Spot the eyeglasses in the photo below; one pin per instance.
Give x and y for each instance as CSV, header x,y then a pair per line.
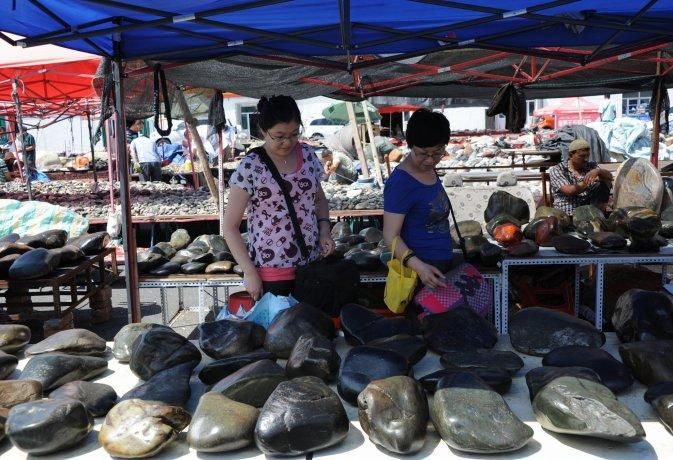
x,y
281,139
435,155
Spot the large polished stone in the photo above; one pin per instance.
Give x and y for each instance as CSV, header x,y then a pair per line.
x,y
169,268
497,379
36,263
158,349
13,337
47,426
7,364
361,325
582,407
70,342
412,347
123,340
537,331
221,424
98,398
13,392
302,415
253,383
220,266
294,322
48,239
169,386
487,359
6,263
54,370
638,183
148,261
68,255
651,362
658,389
91,243
180,239
393,412
136,428
230,337
363,364
217,370
471,418
458,329
663,406
313,355
193,267
643,315
614,375
538,377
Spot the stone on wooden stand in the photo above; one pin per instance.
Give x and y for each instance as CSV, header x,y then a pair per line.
x,y
18,303
101,305
54,325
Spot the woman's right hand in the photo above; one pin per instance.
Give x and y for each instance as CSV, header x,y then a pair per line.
x,y
253,284
429,275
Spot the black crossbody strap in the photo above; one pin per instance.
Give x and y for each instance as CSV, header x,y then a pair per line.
x,y
288,200
461,240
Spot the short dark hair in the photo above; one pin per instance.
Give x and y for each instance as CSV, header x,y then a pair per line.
x,y
277,109
427,129
130,122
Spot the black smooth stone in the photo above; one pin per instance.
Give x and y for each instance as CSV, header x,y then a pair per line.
x,y
48,239
568,244
302,415
458,329
294,322
537,331
7,249
91,243
6,263
614,375
205,258
663,406
158,349
193,267
467,380
488,359
538,377
313,355
363,364
166,249
98,398
148,261
411,347
189,253
199,246
658,389
7,364
36,263
223,255
227,338
651,362
180,260
498,379
360,325
170,386
643,315
54,370
47,426
217,370
253,383
490,254
68,255
169,268
123,340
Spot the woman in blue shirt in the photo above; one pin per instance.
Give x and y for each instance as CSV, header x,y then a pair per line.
x,y
416,207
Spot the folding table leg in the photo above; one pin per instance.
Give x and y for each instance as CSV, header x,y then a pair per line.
x,y
577,289
164,313
600,272
202,302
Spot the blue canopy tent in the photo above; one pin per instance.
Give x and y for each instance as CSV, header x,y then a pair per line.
x,y
342,35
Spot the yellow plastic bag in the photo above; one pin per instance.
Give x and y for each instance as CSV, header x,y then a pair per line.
x,y
400,283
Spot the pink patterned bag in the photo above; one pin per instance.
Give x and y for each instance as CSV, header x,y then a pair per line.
x,y
465,287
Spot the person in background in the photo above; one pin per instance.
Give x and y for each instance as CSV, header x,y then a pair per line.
x,y
343,141
416,207
4,139
5,175
145,157
133,128
339,167
270,259
578,181
607,110
27,146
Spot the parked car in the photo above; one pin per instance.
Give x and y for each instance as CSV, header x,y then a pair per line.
x,y
321,128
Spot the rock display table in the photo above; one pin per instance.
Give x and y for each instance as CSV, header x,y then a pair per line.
x,y
544,445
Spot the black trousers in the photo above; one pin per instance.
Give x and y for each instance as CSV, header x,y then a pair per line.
x,y
283,288
150,171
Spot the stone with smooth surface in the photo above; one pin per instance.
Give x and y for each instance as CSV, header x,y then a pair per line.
x,y
498,379
658,389
136,428
7,364
166,269
13,337
537,330
169,386
538,377
230,337
313,355
488,359
217,370
458,329
643,315
193,267
91,243
582,407
13,392
294,322
253,383
158,349
49,239
651,362
361,325
36,263
393,412
54,370
221,424
302,415
180,239
663,406
123,340
98,398
70,342
6,263
222,266
637,183
411,347
48,426
614,375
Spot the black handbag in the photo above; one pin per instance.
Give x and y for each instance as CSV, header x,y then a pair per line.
x,y
328,283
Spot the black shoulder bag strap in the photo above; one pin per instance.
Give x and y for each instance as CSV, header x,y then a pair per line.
x,y
461,240
288,200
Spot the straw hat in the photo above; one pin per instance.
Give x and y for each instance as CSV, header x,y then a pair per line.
x,y
578,144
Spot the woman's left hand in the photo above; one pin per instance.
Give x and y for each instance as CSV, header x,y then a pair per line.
x,y
327,244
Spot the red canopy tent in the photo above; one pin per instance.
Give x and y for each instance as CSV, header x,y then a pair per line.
x,y
571,111
398,108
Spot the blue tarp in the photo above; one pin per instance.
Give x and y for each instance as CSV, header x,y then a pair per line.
x,y
197,29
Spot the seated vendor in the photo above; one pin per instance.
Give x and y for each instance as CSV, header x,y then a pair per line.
x,y
578,181
338,167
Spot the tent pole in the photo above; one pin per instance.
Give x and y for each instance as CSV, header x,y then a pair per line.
x,y
93,157
220,179
110,173
356,139
128,235
19,127
372,145
656,123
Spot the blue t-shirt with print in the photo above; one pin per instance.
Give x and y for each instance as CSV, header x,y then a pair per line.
x,y
426,208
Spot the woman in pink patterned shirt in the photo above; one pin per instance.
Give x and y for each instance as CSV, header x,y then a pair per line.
x,y
272,255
